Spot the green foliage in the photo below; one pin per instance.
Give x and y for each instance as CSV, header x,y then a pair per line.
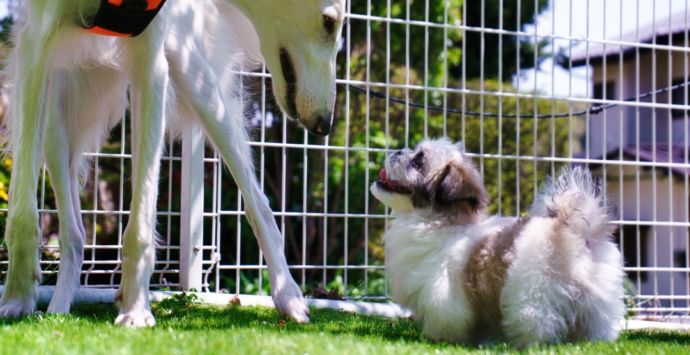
x,y
5,171
375,286
630,294
507,51
388,49
178,301
5,164
249,284
435,51
6,30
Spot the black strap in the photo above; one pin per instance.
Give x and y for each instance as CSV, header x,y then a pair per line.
x,y
130,19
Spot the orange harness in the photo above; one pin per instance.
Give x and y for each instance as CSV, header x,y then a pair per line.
x,y
124,18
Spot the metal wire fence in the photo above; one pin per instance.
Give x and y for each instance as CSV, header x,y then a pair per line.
x,y
529,86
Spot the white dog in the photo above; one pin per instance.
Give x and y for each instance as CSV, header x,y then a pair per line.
x,y
74,84
550,277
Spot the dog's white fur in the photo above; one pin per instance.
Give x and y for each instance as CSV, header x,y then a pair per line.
x,y
551,277
179,72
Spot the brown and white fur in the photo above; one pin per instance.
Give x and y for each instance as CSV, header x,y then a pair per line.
x,y
550,277
68,87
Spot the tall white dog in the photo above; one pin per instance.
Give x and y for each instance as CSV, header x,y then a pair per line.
x,y
550,277
74,85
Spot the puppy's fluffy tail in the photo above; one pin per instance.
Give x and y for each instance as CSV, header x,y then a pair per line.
x,y
577,201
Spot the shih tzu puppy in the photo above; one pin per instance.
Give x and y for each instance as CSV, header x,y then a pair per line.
x,y
553,276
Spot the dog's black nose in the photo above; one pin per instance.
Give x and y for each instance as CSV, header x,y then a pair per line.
x,y
323,125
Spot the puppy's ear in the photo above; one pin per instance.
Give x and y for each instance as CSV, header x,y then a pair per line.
x,y
460,186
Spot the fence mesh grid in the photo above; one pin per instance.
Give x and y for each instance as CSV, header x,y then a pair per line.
x,y
514,80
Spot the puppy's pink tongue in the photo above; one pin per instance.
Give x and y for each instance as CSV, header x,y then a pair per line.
x,y
382,175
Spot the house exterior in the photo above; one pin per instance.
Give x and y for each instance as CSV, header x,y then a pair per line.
x,y
647,141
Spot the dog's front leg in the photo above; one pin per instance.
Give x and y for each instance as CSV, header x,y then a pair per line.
x,y
222,120
28,98
61,168
149,78
286,294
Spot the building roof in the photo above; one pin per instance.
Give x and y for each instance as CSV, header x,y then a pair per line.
x,y
676,23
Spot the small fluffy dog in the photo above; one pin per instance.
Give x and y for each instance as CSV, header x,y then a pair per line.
x,y
550,277
69,86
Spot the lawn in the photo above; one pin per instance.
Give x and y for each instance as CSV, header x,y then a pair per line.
x,y
185,328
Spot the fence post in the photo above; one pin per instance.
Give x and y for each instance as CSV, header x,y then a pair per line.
x,y
192,210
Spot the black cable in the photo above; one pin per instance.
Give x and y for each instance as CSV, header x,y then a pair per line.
x,y
591,110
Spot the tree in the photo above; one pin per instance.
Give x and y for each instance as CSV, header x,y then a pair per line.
x,y
509,15
488,14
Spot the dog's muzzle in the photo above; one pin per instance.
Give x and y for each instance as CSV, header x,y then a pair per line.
x,y
323,124
124,18
290,78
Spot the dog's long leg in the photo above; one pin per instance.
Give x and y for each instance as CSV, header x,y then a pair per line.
x,y
71,238
223,123
90,99
28,99
149,78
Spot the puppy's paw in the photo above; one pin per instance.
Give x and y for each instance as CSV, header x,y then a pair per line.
x,y
17,307
289,301
136,319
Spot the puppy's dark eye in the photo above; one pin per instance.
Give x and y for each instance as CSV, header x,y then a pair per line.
x,y
417,162
329,24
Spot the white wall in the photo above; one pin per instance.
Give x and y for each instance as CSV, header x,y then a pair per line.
x,y
661,199
617,126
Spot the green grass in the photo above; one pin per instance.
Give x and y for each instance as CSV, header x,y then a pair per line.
x,y
185,328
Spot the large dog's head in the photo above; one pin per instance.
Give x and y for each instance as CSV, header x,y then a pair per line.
x,y
436,177
299,42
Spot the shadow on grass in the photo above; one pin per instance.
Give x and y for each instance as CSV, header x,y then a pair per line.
x,y
337,323
184,316
329,321
94,313
195,317
658,336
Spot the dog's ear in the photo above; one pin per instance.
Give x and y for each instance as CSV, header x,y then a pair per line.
x,y
460,186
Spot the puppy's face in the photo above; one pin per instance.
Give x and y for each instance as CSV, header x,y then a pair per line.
x,y
436,176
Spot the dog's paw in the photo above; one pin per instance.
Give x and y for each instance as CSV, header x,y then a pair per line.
x,y
136,319
15,307
59,305
289,301
62,299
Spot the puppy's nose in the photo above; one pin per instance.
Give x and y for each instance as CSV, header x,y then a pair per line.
x,y
323,124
